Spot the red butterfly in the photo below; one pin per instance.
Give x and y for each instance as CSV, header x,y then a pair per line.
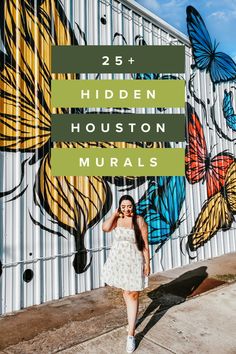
x,y
199,165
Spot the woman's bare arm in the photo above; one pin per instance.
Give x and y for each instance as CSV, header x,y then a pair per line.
x,y
144,232
110,223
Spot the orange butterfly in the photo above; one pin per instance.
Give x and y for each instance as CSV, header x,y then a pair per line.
x,y
200,166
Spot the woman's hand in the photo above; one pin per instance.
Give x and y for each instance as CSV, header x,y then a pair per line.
x,y
116,213
146,270
110,223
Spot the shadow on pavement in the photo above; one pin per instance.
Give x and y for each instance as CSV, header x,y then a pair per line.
x,y
168,295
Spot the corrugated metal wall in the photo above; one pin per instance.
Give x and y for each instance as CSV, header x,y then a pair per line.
x,y
37,264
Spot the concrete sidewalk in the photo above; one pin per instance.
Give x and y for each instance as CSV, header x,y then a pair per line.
x,y
90,322
206,324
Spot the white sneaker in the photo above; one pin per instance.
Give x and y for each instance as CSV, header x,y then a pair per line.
x,y
130,347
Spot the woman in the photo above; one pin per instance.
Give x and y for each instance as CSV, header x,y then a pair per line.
x,y
127,266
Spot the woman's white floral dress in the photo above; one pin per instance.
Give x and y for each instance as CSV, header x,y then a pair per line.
x,y
124,266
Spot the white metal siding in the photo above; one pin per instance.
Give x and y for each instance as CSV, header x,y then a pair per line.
x,y
25,246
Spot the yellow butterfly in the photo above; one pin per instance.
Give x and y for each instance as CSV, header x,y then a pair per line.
x,y
217,212
28,32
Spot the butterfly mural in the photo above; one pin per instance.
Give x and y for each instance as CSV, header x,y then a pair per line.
x,y
153,76
145,76
25,113
200,165
228,110
161,205
74,203
217,212
219,65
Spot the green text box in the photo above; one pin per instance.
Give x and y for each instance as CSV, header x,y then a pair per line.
x,y
69,162
133,59
118,127
168,93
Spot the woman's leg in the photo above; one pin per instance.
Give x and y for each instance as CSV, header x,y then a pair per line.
x,y
132,304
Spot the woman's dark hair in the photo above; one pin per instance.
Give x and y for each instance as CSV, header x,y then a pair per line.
x,y
138,235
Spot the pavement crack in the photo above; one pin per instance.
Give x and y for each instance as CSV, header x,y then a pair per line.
x,y
158,344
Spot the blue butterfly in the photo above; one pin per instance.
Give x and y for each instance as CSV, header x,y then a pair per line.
x,y
153,76
228,110
161,205
219,65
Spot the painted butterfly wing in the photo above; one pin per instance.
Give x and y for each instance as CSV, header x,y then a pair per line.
x,y
161,207
230,187
228,110
214,215
217,212
216,174
227,104
198,163
147,201
200,39
170,204
145,76
153,76
196,151
221,67
147,207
